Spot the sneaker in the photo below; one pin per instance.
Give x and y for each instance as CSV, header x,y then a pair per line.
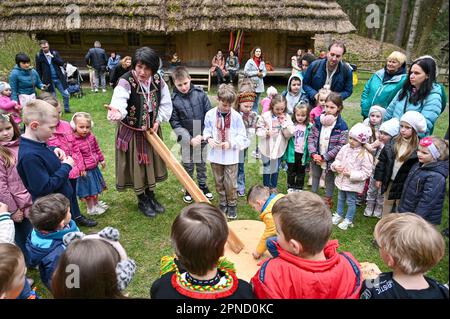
x,y
103,204
345,224
336,218
96,210
378,212
95,90
83,221
291,190
223,208
241,193
100,209
231,212
369,210
207,193
187,198
256,155
104,90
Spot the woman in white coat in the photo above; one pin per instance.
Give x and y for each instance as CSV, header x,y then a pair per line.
x,y
255,69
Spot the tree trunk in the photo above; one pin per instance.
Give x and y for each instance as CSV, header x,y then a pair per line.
x,y
412,33
402,23
432,12
383,27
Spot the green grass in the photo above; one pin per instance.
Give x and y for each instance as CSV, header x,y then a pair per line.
x,y
147,240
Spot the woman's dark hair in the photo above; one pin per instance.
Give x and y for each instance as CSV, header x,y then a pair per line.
x,y
22,57
199,234
308,58
146,56
428,65
252,53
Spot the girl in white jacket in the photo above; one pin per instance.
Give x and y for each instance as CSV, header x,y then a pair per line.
x,y
353,164
274,128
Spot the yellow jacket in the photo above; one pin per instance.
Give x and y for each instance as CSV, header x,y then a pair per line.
x,y
267,218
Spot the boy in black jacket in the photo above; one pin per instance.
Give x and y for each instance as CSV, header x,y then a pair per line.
x,y
190,105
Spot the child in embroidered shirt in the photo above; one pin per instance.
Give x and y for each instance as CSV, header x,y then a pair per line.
x,y
424,188
64,139
90,183
326,139
199,234
274,128
265,102
375,198
7,104
245,102
410,247
297,155
353,164
226,135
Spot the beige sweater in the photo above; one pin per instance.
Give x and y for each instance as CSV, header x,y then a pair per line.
x,y
273,146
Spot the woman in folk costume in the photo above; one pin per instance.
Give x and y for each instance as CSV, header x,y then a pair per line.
x,y
140,102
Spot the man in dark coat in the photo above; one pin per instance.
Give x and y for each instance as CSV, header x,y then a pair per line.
x,y
96,58
49,66
330,71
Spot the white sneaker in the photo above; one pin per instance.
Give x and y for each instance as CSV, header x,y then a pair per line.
x,y
95,90
378,212
368,211
336,218
345,224
100,209
291,190
104,90
103,204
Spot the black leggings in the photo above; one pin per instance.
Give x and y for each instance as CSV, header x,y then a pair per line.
x,y
296,173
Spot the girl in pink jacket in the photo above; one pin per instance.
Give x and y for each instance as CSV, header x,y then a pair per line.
x,y
12,191
353,164
7,104
90,183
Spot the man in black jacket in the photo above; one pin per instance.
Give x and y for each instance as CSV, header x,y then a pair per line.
x,y
96,58
50,68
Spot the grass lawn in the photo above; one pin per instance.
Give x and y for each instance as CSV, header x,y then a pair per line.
x,y
147,240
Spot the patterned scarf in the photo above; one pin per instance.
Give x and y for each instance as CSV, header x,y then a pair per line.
x,y
223,124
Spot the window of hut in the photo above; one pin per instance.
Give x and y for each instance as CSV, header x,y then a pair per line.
x,y
134,40
75,38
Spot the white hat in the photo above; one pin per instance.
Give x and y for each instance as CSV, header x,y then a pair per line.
x,y
377,108
416,120
392,127
4,86
360,132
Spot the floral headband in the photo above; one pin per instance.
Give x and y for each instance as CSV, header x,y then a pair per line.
x,y
428,142
247,97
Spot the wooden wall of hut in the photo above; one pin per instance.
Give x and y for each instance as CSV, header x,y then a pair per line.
x,y
194,48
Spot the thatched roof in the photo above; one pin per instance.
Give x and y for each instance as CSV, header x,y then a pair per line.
x,y
174,15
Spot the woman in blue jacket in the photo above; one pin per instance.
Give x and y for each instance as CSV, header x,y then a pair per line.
x,y
384,84
420,93
24,79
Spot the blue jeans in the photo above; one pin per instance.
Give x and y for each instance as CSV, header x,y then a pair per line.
x,y
255,106
270,171
241,172
271,247
350,198
23,229
65,94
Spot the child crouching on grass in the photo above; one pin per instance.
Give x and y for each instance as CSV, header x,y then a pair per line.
x,y
353,164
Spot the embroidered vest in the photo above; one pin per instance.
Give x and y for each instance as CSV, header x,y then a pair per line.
x,y
140,115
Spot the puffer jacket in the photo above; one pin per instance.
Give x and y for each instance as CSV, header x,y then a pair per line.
x,y
273,146
64,139
44,250
360,164
267,217
385,166
24,81
251,71
430,107
188,113
12,191
424,191
10,106
89,149
378,93
292,277
338,138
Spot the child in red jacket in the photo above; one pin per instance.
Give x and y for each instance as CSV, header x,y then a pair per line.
x,y
308,265
90,183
